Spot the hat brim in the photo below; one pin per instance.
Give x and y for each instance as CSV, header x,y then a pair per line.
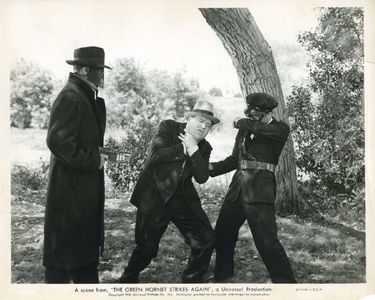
x,y
76,63
264,110
194,113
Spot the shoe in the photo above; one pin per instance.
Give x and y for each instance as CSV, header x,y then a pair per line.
x,y
222,279
208,278
126,278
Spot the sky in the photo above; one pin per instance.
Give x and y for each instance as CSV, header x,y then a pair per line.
x,y
167,35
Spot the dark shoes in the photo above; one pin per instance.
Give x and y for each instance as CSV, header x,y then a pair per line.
x,y
223,278
134,278
128,278
208,278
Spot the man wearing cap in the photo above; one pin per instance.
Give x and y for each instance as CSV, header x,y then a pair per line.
x,y
74,231
251,194
165,193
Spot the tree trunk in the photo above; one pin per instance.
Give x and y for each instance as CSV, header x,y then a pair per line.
x,y
256,69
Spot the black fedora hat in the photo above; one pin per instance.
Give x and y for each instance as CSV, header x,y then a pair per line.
x,y
89,57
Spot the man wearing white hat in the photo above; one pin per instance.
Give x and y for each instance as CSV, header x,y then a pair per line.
x,y
165,193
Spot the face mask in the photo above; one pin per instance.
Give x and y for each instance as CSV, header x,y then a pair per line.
x,y
254,114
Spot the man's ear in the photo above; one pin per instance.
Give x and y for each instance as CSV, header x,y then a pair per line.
x,y
83,71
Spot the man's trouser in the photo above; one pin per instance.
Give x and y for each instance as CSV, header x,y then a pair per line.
x,y
84,274
148,232
262,221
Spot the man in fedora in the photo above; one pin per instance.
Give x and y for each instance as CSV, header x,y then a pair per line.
x,y
165,193
251,194
74,231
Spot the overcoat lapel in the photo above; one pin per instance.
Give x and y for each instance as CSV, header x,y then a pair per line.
x,y
91,96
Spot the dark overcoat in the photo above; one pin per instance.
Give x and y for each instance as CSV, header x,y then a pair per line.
x,y
254,141
74,228
167,168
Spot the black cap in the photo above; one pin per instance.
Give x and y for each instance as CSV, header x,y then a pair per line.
x,y
261,101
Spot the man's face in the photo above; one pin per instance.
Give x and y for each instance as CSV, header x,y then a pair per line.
x,y
198,127
96,76
254,113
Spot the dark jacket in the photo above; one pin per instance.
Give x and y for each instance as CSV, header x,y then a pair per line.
x,y
164,173
265,146
74,228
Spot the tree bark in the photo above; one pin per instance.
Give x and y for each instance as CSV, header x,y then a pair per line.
x,y
252,57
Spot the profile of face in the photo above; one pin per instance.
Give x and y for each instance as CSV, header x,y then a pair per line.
x,y
96,76
254,113
198,126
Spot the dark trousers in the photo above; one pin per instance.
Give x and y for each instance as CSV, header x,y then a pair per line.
x,y
262,221
85,274
148,232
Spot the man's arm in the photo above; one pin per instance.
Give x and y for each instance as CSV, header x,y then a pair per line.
x,y
199,163
231,162
275,131
63,131
159,150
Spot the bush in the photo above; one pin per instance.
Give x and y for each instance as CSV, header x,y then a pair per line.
x,y
125,174
326,114
30,95
134,93
346,208
29,178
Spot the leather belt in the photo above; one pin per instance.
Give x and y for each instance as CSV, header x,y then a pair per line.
x,y
256,165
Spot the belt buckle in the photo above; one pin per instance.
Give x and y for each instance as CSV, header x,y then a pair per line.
x,y
242,165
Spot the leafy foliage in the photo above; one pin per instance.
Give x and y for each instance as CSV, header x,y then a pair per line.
x,y
326,115
31,95
124,175
134,94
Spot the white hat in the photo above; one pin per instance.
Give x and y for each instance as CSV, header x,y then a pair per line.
x,y
205,109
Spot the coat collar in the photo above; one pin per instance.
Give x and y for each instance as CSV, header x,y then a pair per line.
x,y
82,84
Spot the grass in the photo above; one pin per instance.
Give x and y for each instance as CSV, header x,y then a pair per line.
x,y
318,253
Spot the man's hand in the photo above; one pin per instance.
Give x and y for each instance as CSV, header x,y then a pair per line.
x,y
235,121
189,142
103,160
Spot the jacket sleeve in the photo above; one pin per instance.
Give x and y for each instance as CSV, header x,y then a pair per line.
x,y
276,131
231,162
63,132
160,150
199,163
